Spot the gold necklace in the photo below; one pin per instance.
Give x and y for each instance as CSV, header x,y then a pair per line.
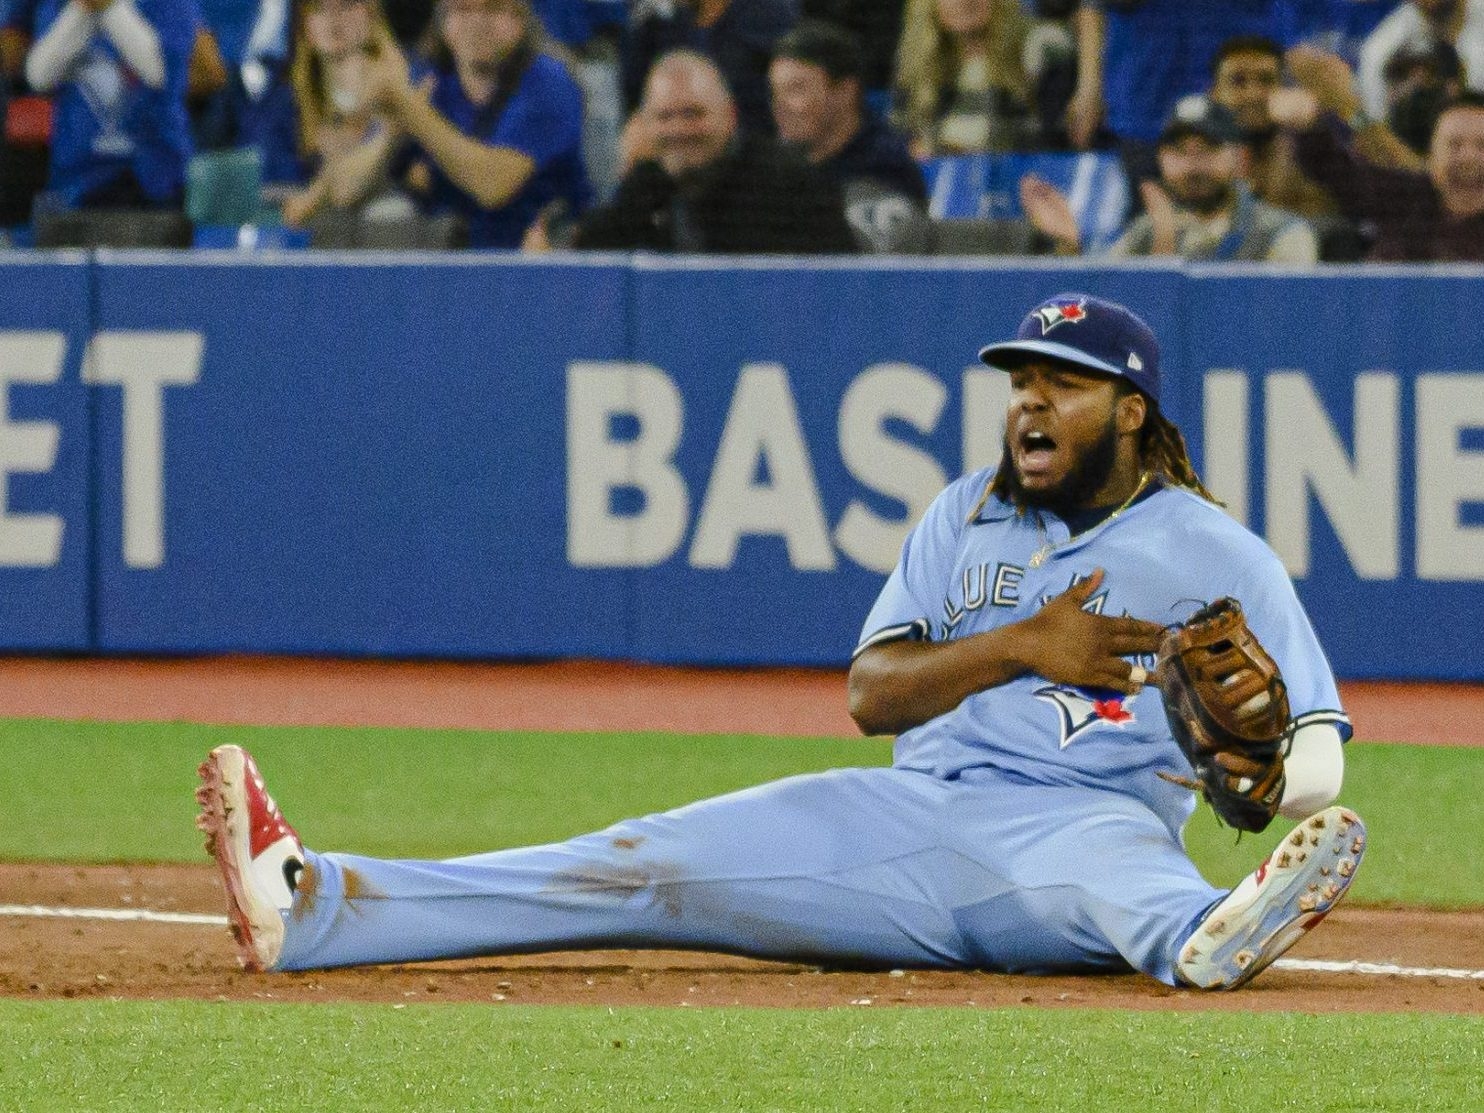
x,y
1043,554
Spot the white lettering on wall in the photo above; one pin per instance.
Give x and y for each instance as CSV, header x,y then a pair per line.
x,y
1225,446
30,358
1360,496
144,364
762,431
886,466
986,398
1447,477
598,464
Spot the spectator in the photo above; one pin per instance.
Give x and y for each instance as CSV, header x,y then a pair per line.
x,y
1200,208
16,20
738,35
118,70
253,39
710,187
876,24
494,134
1434,215
1420,80
1245,72
318,111
961,84
1418,24
1137,58
819,107
1050,61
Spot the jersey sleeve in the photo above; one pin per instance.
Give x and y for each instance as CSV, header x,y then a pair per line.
x,y
175,22
917,586
544,118
1276,616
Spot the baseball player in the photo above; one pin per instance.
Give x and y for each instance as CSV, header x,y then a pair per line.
x,y
1031,819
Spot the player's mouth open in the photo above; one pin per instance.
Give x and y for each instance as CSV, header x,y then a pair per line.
x,y
1037,451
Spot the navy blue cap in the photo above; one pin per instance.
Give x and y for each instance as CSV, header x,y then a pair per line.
x,y
1090,332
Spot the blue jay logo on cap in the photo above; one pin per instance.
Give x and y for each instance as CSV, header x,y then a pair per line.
x,y
1060,313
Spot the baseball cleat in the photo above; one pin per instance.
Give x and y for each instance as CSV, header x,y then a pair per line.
x,y
1272,908
259,854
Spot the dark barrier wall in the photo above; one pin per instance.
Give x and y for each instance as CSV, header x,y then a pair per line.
x,y
669,460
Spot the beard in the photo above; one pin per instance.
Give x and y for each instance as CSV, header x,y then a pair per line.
x,y
1088,475
1203,196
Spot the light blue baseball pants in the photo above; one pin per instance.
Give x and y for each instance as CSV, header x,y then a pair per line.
x,y
853,867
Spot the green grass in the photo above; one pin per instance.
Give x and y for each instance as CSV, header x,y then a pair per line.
x,y
200,1056
106,792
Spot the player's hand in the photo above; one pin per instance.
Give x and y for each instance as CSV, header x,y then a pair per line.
x,y
1067,645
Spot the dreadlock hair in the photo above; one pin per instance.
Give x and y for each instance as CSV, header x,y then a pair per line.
x,y
1162,448
1162,453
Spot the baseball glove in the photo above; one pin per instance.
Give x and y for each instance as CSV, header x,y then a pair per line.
x,y
1228,710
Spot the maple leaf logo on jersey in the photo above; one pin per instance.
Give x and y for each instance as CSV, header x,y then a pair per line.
x,y
1060,313
1081,712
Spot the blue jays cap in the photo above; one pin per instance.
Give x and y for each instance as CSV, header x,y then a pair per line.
x,y
1075,328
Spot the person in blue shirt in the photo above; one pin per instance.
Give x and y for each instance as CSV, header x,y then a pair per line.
x,y
494,134
1031,819
118,70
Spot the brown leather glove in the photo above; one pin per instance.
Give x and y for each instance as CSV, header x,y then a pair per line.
x,y
1228,710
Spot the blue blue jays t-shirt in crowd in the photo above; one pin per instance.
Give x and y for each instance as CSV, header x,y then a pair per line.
x,y
542,119
107,122
966,569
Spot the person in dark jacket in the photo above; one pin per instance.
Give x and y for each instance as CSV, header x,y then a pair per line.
x,y
821,111
698,185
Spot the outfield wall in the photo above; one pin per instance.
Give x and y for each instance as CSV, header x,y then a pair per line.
x,y
466,456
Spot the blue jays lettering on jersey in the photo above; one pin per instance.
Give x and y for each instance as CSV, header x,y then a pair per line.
x,y
543,121
107,122
966,569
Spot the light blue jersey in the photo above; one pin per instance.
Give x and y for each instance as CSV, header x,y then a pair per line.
x,y
968,568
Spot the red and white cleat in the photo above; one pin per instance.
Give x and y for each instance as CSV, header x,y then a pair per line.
x,y
259,854
1272,908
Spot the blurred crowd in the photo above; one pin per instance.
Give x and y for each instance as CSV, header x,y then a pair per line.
x,y
1287,131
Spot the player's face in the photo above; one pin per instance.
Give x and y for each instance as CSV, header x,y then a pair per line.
x,y
1456,160
801,101
1199,174
1242,85
692,118
1062,434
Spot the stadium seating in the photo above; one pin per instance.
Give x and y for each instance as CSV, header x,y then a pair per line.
x,y
987,186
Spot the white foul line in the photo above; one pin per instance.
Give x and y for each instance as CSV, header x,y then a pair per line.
x,y
1321,966
1317,966
143,914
